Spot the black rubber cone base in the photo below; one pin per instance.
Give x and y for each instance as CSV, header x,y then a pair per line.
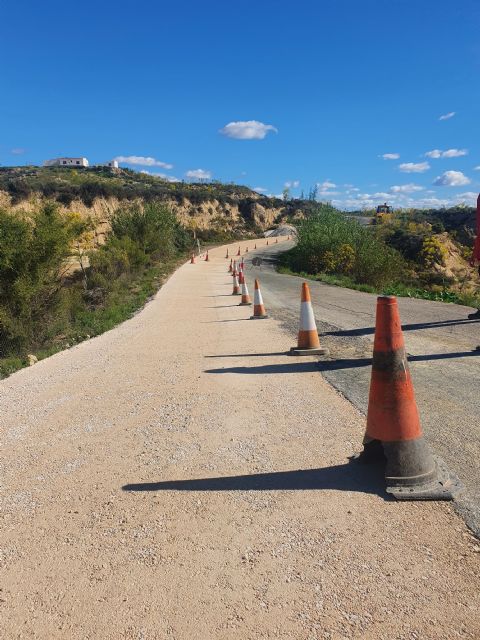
x,y
427,478
443,487
308,352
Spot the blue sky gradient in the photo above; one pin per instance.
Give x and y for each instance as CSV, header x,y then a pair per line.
x,y
342,81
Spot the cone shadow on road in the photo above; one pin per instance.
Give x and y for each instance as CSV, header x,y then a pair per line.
x,y
344,477
248,355
231,320
365,331
289,367
331,365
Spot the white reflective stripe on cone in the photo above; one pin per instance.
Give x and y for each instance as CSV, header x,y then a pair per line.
x,y
307,319
257,298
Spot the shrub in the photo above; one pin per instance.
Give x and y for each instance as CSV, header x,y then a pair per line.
x,y
433,252
331,243
154,227
32,254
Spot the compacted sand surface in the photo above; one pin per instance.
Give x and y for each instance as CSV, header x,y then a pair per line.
x,y
180,477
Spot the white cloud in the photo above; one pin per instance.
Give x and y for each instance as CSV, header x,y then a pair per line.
x,y
447,116
326,184
449,153
143,161
411,187
164,176
260,189
435,153
468,196
17,151
330,193
248,130
454,153
477,168
414,167
391,156
451,179
292,184
199,174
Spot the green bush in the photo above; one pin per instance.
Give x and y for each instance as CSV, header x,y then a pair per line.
x,y
330,243
44,307
32,254
154,227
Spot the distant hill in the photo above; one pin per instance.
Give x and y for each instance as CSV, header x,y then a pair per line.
x,y
97,191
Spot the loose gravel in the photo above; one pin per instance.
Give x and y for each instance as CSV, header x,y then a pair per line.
x,y
168,481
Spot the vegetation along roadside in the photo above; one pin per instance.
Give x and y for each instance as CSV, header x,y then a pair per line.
x,y
404,255
58,287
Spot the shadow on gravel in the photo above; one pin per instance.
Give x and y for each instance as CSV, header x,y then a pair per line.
x,y
232,320
248,355
328,365
365,331
289,367
343,477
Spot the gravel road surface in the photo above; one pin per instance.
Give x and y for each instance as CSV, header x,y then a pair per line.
x,y
180,477
440,341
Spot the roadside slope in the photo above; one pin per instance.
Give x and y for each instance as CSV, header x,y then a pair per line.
x,y
166,479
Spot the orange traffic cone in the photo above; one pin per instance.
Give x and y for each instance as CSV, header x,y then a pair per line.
x,y
267,243
236,287
241,276
308,342
245,296
258,306
226,257
238,252
230,268
192,259
207,259
246,250
393,425
276,241
255,246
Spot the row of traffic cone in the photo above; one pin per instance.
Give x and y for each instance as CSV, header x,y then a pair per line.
x,y
207,259
393,432
239,280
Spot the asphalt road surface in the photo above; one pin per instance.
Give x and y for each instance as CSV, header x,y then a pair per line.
x,y
444,364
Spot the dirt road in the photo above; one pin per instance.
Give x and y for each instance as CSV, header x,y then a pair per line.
x,y
149,492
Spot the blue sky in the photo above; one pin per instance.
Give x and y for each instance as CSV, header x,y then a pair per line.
x,y
262,93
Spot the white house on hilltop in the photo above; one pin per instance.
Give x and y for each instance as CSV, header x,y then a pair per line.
x,y
77,162
113,164
66,162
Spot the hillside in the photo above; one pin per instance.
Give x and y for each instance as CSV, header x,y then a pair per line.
x,y
96,192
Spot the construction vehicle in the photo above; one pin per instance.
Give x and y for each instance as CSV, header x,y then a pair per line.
x,y
382,211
